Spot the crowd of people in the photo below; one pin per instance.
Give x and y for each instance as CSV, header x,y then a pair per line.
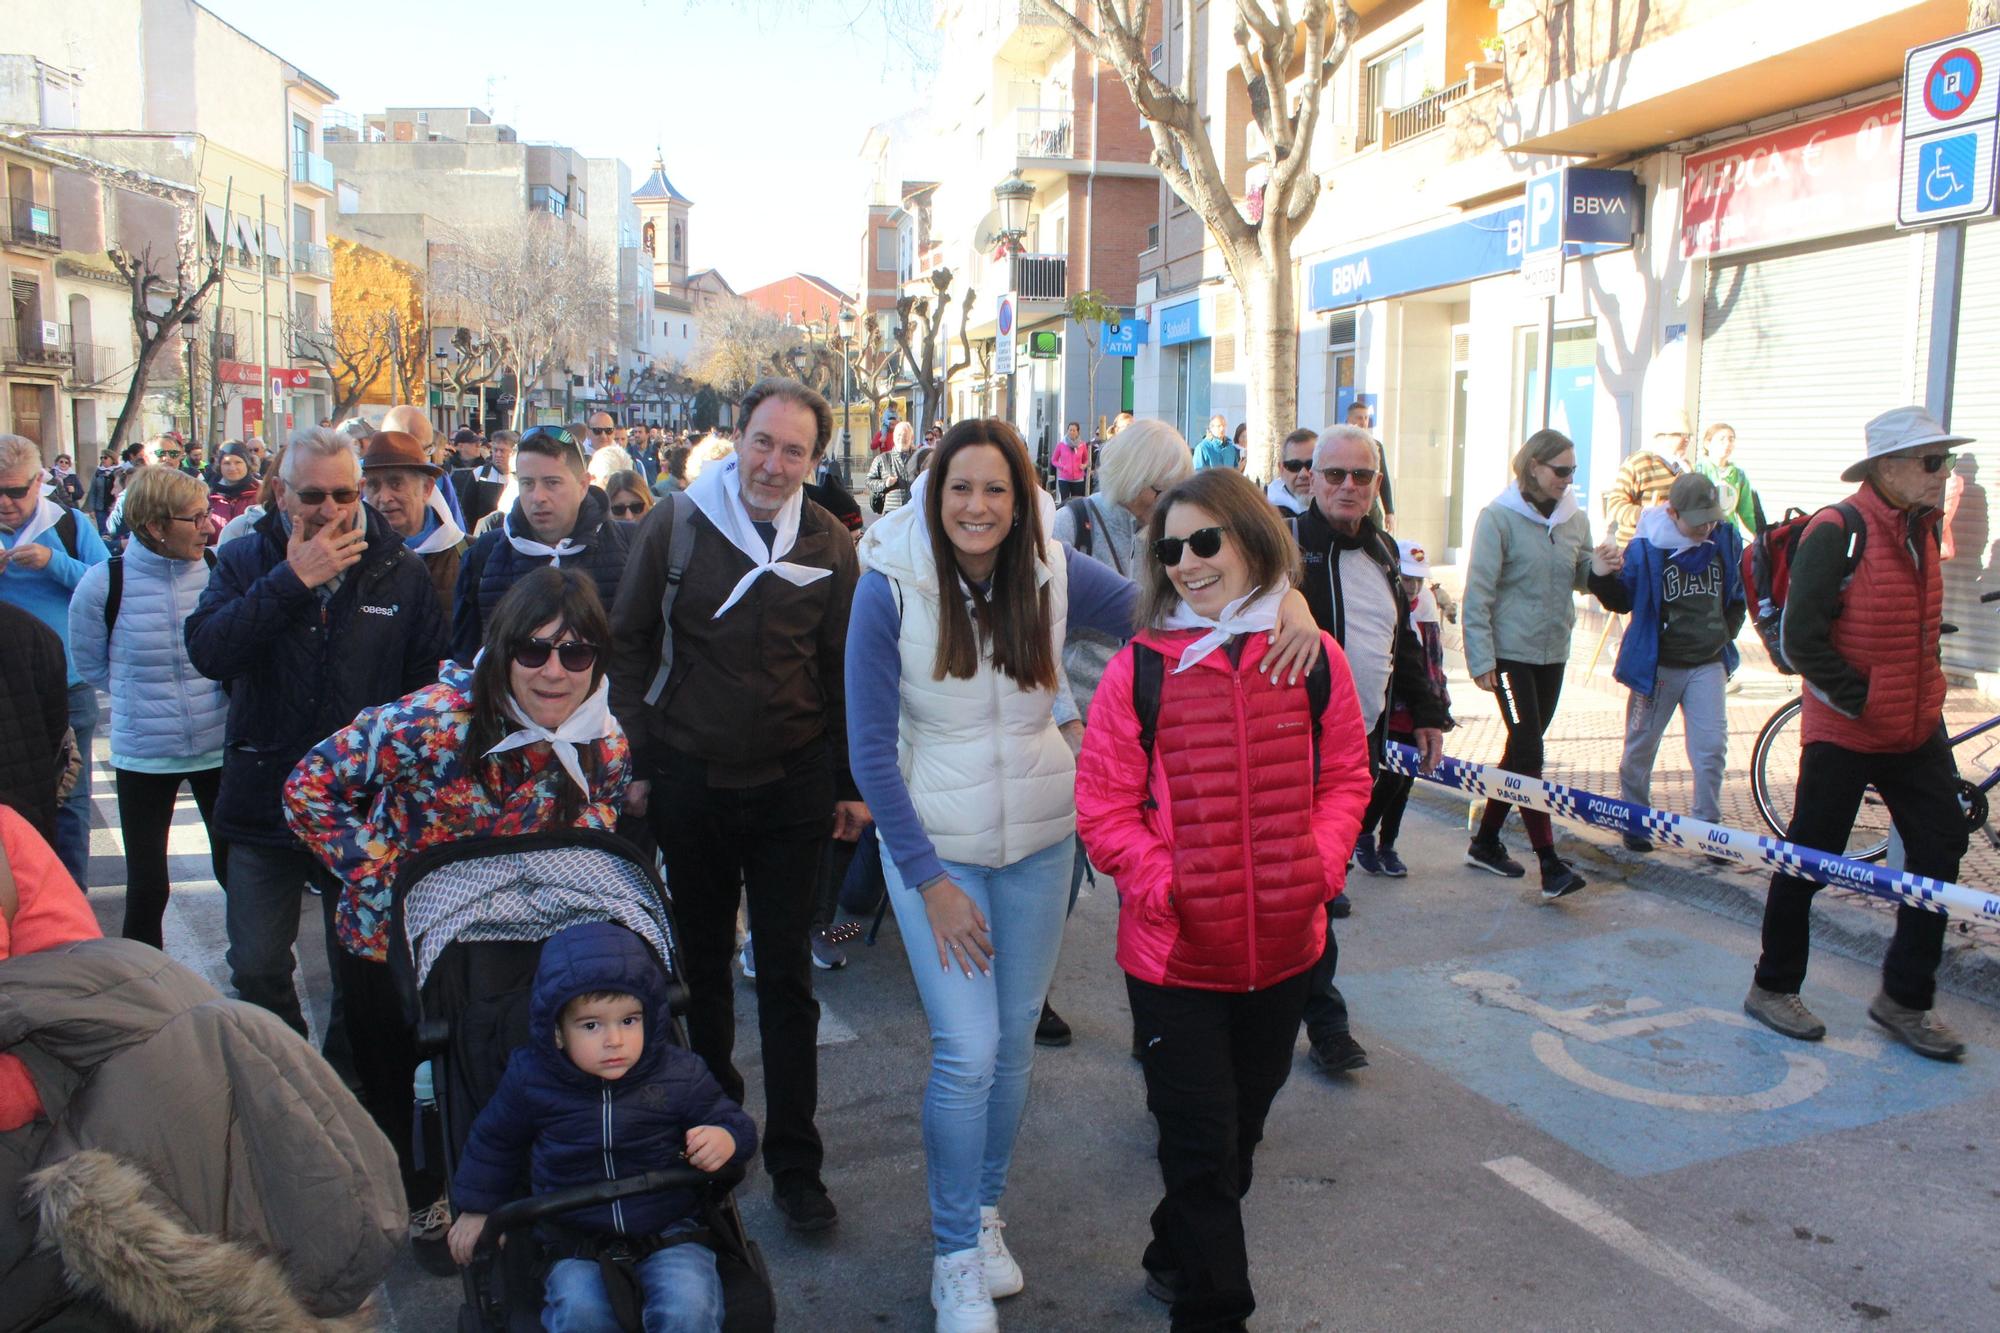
x,y
377,640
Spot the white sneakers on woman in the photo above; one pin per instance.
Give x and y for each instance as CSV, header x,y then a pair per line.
x,y
1003,1275
965,1283
959,1295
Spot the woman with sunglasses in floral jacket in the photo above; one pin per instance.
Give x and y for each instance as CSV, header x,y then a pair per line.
x,y
522,741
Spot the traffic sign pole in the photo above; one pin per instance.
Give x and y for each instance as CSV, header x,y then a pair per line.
x,y
1945,288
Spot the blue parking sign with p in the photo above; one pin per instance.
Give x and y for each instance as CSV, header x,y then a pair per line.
x,y
1545,214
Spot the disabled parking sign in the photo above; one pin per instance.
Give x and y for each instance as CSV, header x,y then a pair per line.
x,y
1951,130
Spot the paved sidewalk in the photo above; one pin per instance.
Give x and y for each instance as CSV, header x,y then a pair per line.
x,y
1587,737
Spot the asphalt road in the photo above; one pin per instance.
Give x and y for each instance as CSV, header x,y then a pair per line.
x,y
1566,1124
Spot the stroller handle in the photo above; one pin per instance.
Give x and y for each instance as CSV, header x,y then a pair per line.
x,y
526,1212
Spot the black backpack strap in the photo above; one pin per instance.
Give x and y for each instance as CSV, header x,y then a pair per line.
x,y
114,591
1856,523
1149,670
65,530
1319,693
680,547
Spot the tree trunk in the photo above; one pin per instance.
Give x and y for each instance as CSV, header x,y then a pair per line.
x,y
1271,359
134,392
1981,14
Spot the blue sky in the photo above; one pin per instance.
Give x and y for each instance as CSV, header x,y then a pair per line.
x,y
760,107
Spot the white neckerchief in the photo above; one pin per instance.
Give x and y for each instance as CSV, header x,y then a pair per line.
x,y
1281,495
717,492
47,514
591,722
1248,614
446,534
529,546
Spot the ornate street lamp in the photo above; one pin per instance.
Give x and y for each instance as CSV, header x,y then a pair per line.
x,y
1014,197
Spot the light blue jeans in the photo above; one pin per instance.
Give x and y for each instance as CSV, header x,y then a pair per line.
x,y
982,1029
683,1294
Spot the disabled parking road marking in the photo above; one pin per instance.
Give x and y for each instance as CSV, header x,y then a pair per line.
x,y
1629,1047
1805,1075
1712,1289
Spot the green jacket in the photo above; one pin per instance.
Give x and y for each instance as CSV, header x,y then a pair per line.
x,y
1520,581
1739,501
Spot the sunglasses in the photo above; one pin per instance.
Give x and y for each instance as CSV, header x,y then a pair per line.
x,y
574,655
1336,475
629,510
174,455
19,492
1563,473
1297,464
604,430
315,497
1934,463
1204,542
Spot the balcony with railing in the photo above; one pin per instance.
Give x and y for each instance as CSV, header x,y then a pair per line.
x,y
89,363
1041,277
32,225
34,342
1022,32
314,170
312,345
1420,117
315,260
1044,131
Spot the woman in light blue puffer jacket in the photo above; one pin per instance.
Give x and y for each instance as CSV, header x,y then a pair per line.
x,y
166,717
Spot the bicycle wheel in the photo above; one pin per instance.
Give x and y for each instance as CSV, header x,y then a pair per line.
x,y
1774,783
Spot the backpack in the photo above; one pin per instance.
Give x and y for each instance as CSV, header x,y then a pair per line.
x,y
1767,570
1086,529
114,589
65,531
680,546
1149,673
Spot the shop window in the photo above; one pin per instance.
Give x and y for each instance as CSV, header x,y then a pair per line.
x,y
1342,330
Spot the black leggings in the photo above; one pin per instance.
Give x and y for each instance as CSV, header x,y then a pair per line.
x,y
1527,694
1391,795
145,814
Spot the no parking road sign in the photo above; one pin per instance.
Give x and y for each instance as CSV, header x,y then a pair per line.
x,y
1951,129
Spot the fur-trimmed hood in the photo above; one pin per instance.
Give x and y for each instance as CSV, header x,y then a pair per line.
x,y
214,1114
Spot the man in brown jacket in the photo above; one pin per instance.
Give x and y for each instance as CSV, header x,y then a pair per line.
x,y
1644,479
735,707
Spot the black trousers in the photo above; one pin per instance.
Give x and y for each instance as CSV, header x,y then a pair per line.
x,y
1214,1061
1069,490
1389,798
762,843
1920,787
1527,694
145,814
384,1051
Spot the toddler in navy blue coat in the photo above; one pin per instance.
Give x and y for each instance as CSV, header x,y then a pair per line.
x,y
599,1094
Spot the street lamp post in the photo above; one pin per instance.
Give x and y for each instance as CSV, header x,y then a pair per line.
x,y
846,388
1015,197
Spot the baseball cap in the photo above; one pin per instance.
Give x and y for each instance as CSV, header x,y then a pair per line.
x,y
1415,564
1694,499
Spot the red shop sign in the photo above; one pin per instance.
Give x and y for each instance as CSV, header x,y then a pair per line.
x,y
1824,177
239,372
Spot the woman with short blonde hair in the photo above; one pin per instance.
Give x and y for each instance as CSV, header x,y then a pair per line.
x,y
168,726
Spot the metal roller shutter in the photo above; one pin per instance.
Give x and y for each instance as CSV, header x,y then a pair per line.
x,y
1976,412
1800,348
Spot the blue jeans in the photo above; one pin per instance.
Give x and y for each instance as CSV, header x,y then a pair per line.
x,y
683,1294
982,1029
260,908
73,818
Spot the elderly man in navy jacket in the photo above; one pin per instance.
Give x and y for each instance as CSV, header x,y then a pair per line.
x,y
323,614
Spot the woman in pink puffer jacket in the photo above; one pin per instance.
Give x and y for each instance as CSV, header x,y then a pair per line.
x,y
1227,835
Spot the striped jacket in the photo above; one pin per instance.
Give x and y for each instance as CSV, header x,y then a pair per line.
x,y
1643,481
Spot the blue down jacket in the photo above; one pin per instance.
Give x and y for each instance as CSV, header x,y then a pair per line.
x,y
576,1128
299,670
163,708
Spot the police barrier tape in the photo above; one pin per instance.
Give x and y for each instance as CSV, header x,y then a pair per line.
x,y
1693,835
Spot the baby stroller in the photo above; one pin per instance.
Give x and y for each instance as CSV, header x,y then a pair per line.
x,y
466,934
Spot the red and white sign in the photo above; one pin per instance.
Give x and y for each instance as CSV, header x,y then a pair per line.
x,y
1822,178
253,414
239,372
290,377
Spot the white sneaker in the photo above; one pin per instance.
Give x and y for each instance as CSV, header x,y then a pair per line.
x,y
1003,1275
959,1295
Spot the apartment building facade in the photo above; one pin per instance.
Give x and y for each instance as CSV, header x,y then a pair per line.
x,y
241,109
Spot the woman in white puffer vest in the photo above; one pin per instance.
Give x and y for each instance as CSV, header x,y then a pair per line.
x,y
951,686
166,718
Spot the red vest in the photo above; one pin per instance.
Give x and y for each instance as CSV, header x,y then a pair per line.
x,y
1249,889
1888,630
